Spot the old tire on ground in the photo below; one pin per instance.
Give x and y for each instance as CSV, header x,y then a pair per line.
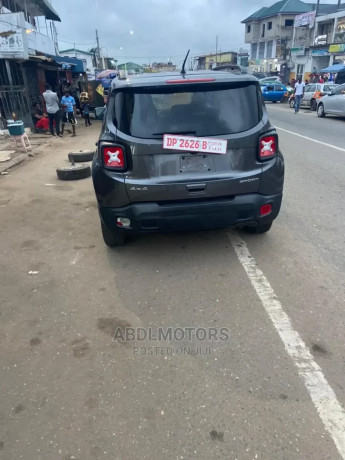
x,y
73,172
321,111
81,156
261,228
114,237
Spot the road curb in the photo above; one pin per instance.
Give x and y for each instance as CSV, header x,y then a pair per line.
x,y
14,162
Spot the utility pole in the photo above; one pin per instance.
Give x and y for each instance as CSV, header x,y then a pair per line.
x,y
98,50
216,49
317,7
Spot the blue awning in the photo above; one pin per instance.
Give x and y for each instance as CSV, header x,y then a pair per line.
x,y
69,63
334,68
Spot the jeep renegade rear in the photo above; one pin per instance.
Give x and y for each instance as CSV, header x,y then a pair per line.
x,y
184,152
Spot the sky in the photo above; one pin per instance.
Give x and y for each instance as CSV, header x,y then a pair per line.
x,y
163,29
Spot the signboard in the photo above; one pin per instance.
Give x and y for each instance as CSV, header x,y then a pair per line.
x,y
100,90
337,48
321,40
339,36
13,37
299,51
305,19
322,52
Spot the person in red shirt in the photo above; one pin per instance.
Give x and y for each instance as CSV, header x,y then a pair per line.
x,y
321,80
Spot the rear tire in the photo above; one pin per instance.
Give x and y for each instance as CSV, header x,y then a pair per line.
x,y
274,102
260,228
313,105
292,104
321,111
113,238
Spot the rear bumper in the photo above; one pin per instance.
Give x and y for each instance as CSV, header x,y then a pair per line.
x,y
241,210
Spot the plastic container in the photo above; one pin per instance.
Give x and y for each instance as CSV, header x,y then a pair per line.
x,y
16,128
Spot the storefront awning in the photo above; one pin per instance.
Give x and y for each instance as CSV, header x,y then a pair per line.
x,y
334,68
69,63
43,59
46,9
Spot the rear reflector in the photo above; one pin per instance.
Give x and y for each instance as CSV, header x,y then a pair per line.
x,y
114,157
190,80
123,222
265,209
268,146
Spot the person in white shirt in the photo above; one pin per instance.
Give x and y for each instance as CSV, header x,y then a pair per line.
x,y
299,93
53,110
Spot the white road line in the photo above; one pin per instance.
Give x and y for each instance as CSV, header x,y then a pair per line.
x,y
330,410
313,140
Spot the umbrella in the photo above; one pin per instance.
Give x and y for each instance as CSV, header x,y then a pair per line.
x,y
106,74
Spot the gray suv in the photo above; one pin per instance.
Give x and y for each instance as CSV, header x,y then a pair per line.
x,y
185,152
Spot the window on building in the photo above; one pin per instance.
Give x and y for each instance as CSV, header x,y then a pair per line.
x,y
262,50
249,28
269,26
300,70
269,51
288,22
254,50
263,30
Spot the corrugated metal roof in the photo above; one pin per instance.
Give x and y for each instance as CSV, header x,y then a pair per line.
x,y
282,7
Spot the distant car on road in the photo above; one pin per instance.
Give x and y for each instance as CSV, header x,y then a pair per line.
x,y
274,92
333,103
314,91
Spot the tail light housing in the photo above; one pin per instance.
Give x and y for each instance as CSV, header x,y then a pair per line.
x,y
268,146
114,157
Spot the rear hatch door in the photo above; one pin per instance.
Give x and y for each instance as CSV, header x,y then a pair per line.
x,y
230,115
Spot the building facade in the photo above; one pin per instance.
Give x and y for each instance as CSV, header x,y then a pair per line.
x,y
296,38
209,61
23,54
270,33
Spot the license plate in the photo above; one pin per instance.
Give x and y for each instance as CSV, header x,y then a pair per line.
x,y
194,144
194,163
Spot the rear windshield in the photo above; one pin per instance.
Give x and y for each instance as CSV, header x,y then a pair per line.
x,y
207,111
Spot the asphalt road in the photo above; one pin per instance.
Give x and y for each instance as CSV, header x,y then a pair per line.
x,y
274,391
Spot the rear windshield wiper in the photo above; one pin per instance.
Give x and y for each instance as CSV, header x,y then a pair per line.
x,y
175,132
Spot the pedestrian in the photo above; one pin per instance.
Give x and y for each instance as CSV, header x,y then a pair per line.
x,y
299,93
39,118
321,80
53,110
69,107
86,111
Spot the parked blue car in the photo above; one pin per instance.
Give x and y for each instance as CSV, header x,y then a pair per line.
x,y
274,92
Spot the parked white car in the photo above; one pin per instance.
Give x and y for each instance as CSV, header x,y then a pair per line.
x,y
333,103
313,91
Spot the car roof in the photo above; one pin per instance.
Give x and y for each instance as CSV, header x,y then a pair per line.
x,y
161,79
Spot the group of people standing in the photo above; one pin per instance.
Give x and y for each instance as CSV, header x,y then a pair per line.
x,y
51,118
